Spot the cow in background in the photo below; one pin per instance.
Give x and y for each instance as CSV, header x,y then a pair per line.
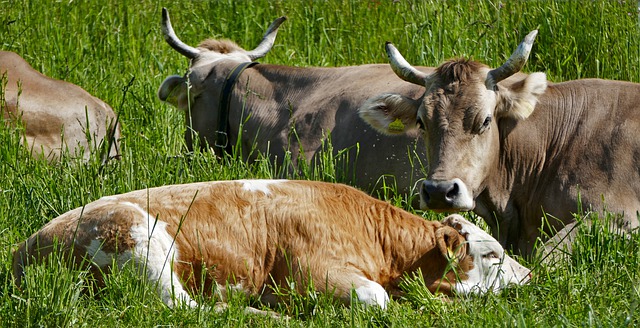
x,y
56,115
281,110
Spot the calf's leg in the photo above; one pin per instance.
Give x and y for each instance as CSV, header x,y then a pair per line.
x,y
343,281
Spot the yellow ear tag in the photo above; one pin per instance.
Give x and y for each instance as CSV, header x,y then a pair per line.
x,y
452,256
396,126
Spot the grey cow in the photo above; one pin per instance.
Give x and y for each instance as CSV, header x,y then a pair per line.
x,y
284,109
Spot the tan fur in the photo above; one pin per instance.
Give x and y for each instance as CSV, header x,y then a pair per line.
x,y
327,232
223,46
460,70
54,113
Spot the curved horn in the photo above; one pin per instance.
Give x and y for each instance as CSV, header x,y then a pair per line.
x,y
172,39
402,68
517,60
267,40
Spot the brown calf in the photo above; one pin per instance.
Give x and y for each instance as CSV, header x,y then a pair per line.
x,y
255,235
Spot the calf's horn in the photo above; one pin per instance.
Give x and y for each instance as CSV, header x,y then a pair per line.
x,y
267,40
172,39
402,68
517,60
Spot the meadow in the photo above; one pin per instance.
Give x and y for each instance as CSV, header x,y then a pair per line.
x,y
115,50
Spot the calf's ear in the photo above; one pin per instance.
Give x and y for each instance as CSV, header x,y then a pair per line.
x,y
451,243
518,100
172,89
390,113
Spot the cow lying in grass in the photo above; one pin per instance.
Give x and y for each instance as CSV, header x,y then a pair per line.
x,y
56,115
259,236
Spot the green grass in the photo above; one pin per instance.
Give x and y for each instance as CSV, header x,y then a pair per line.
x,y
115,51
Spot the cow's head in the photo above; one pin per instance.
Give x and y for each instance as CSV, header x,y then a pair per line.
x,y
198,92
458,117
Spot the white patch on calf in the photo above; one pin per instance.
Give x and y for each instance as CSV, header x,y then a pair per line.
x,y
97,256
156,250
372,293
259,185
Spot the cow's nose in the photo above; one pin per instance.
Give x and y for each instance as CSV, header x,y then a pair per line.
x,y
444,195
439,194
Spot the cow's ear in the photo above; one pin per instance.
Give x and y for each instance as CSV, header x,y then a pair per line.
x,y
518,100
390,113
172,89
451,243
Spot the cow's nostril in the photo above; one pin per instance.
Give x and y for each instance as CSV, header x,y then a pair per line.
x,y
453,192
424,193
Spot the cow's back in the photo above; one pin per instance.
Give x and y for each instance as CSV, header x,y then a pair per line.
x,y
309,109
53,111
245,229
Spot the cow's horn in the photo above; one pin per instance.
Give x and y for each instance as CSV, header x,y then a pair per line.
x,y
402,68
267,40
517,60
172,39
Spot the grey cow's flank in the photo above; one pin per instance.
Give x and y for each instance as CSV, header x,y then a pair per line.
x,y
291,112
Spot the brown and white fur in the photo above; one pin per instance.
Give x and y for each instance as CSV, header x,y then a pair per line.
x,y
256,235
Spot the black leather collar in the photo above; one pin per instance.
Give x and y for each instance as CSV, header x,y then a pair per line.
x,y
222,133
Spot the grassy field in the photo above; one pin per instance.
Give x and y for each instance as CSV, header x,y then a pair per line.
x,y
115,50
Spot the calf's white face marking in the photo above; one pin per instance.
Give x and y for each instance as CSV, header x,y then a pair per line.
x,y
493,270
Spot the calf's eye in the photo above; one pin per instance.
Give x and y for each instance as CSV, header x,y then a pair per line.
x,y
492,255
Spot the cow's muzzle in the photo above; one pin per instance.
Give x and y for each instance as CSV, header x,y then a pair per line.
x,y
446,195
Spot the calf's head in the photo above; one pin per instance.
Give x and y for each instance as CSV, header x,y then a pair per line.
x,y
480,262
458,116
198,92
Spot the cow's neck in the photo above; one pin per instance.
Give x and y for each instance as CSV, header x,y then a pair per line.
x,y
269,95
408,241
531,155
224,106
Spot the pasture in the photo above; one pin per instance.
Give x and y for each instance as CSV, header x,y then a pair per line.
x,y
116,52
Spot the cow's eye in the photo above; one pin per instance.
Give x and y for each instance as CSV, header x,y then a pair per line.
x,y
420,123
485,125
486,122
491,255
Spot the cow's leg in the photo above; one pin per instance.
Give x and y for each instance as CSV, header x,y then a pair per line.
x,y
154,253
162,277
371,293
345,280
222,306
